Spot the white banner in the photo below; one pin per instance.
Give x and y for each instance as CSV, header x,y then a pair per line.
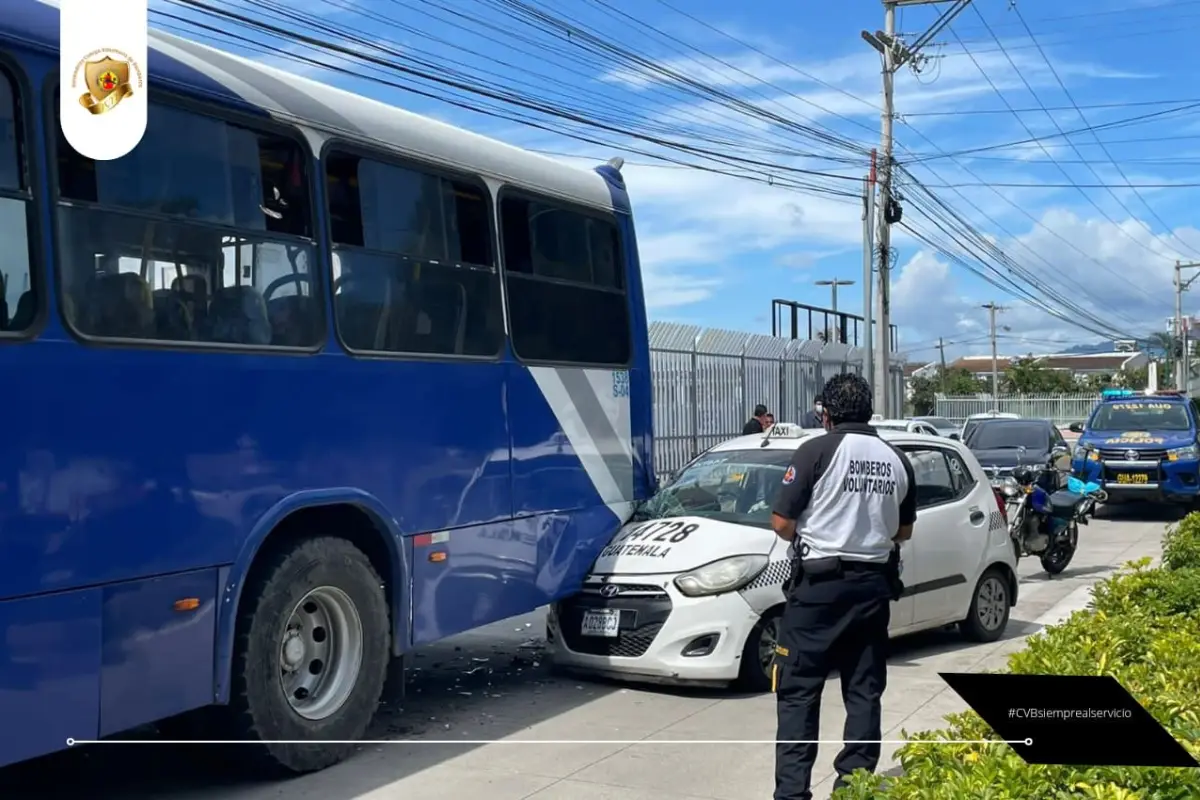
x,y
102,67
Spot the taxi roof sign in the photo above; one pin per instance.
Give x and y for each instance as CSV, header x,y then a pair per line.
x,y
1107,393
785,430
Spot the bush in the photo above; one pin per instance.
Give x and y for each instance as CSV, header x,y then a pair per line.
x,y
1142,628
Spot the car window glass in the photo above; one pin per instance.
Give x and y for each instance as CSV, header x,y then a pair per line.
x,y
732,486
1141,415
1004,435
935,483
960,475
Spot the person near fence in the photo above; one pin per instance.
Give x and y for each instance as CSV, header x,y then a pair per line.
x,y
756,423
769,420
814,418
847,501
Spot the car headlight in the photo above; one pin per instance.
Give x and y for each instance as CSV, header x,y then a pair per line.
x,y
1189,453
726,575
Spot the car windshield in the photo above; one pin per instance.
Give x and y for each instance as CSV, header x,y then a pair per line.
x,y
733,486
1141,415
988,435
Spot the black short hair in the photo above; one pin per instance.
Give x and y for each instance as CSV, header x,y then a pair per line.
x,y
760,410
847,399
818,399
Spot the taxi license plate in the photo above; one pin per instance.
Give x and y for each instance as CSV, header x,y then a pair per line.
x,y
605,622
1126,477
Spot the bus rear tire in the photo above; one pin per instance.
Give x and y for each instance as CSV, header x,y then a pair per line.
x,y
311,656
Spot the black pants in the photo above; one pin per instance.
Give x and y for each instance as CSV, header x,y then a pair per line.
x,y
836,622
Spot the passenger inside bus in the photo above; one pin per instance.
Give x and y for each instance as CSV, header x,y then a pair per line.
x,y
201,234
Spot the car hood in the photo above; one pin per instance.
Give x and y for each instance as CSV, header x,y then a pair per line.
x,y
646,548
1136,440
1008,457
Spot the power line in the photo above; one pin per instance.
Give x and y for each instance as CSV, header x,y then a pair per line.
x,y
1041,145
1083,118
719,156
1119,123
1090,106
1041,185
508,98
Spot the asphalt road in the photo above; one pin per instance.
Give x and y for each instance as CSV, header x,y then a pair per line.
x,y
496,684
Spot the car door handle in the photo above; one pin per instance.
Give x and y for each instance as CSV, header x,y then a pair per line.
x,y
977,517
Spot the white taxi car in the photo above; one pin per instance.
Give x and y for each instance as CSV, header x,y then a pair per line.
x,y
690,590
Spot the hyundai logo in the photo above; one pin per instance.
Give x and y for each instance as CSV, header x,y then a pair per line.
x,y
610,590
1131,455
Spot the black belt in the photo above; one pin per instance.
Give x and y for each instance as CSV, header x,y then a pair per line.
x,y
848,565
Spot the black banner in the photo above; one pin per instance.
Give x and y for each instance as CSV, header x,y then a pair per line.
x,y
1069,720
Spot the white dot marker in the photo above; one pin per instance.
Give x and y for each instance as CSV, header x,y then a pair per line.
x,y
1028,741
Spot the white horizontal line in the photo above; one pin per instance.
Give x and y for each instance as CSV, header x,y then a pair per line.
x,y
480,742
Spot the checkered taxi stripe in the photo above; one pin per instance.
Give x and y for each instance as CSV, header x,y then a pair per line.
x,y
996,522
774,575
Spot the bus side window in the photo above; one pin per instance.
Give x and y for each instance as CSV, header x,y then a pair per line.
x,y
19,296
565,282
203,233
414,267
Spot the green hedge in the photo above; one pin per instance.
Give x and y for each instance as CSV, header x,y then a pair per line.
x,y
1143,628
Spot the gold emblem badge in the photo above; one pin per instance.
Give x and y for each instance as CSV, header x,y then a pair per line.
x,y
108,83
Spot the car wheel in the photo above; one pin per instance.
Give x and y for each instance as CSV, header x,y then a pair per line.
x,y
758,654
311,657
991,605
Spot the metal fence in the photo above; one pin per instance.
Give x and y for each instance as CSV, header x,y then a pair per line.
x,y
1061,409
707,382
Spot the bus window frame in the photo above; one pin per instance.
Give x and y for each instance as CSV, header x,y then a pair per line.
x,y
611,216
24,96
184,102
349,147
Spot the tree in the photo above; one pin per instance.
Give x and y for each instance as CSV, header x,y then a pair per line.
x,y
954,381
1135,378
1028,376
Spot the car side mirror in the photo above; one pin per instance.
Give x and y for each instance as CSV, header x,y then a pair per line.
x,y
955,437
1075,427
1060,457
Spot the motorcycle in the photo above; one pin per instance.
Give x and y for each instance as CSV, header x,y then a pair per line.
x,y
1045,523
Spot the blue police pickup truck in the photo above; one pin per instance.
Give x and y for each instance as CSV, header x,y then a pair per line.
x,y
1140,446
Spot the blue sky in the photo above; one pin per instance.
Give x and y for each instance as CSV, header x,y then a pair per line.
x,y
717,247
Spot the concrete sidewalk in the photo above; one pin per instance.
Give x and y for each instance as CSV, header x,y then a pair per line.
x,y
917,699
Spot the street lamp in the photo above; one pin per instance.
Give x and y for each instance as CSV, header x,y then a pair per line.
x,y
833,286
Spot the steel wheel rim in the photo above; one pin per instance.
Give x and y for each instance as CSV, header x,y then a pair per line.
x,y
991,602
767,640
320,653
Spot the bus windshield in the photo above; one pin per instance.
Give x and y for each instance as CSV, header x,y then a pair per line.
x,y
1141,415
735,486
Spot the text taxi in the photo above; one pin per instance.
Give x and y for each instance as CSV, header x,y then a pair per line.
x,y
690,591
1140,446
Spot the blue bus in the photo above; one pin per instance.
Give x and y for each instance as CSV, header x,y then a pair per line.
x,y
303,382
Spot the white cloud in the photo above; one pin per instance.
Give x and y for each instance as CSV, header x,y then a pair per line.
x,y
1130,284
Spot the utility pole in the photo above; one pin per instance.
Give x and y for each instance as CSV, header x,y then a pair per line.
x,y
868,275
1183,366
895,55
992,309
942,358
